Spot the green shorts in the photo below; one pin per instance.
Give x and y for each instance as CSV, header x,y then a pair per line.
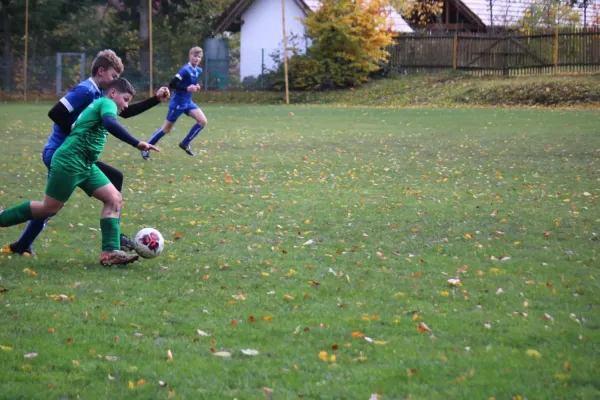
x,y
61,184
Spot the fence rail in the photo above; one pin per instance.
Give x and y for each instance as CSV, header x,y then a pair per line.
x,y
558,51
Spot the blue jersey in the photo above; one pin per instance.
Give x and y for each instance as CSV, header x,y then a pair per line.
x,y
75,102
189,76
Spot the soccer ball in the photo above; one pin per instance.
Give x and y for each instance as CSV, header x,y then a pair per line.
x,y
149,243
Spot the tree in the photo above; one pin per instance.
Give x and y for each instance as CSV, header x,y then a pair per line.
x,y
349,38
548,14
419,12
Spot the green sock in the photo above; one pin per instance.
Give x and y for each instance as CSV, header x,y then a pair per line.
x,y
16,215
111,234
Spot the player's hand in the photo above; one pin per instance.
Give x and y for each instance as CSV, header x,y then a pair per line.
x,y
198,86
192,88
147,146
163,94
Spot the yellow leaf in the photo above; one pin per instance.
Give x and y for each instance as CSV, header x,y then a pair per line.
x,y
534,353
332,358
6,348
291,273
380,342
323,356
445,293
131,385
264,273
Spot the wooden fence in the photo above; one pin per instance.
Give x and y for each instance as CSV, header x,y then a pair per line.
x,y
558,51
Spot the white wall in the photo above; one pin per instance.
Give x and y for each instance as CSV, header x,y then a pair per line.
x,y
261,29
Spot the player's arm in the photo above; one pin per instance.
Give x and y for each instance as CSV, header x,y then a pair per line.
x,y
145,105
77,99
177,82
109,121
59,114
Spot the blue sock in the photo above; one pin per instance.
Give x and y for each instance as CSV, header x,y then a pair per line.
x,y
156,136
34,228
192,134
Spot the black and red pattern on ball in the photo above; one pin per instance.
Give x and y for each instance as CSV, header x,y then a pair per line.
x,y
151,241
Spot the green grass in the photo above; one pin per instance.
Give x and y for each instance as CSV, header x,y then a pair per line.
x,y
394,202
441,90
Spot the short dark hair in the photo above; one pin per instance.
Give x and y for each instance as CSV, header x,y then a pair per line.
x,y
107,59
121,85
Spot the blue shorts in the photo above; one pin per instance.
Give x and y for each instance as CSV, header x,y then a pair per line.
x,y
175,112
47,154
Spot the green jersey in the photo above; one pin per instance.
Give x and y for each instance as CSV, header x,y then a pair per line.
x,y
83,146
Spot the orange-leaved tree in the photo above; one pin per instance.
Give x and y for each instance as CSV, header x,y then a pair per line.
x,y
349,39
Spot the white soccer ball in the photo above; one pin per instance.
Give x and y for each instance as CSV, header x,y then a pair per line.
x,y
149,243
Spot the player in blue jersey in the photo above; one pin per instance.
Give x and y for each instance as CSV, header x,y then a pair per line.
x,y
106,67
184,84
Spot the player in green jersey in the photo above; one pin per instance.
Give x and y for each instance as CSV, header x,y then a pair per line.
x,y
73,165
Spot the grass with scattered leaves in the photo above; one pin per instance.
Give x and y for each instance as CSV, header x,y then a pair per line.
x,y
363,253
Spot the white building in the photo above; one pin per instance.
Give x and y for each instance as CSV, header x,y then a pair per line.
x,y
261,32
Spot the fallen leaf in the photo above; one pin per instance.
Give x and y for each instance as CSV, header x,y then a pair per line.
x,y
454,282
422,327
222,354
412,371
567,366
31,355
267,318
547,317
358,335
6,348
141,382
268,392
169,355
162,383
323,356
316,284
131,385
534,353
288,297
201,333
250,352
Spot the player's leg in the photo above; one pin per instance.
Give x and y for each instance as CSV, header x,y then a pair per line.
x,y
98,186
35,226
201,121
116,178
59,188
172,115
29,210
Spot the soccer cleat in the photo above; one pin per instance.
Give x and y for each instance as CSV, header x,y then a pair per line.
x,y
146,155
127,244
116,258
187,148
16,248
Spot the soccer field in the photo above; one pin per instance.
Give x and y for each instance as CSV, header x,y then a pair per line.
x,y
323,238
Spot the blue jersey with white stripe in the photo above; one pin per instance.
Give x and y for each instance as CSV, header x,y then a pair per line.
x,y
75,102
189,76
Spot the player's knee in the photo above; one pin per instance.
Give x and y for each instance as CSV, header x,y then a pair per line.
x,y
51,210
167,128
202,122
114,200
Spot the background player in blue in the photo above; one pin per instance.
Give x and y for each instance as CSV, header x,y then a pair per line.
x,y
184,84
106,67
